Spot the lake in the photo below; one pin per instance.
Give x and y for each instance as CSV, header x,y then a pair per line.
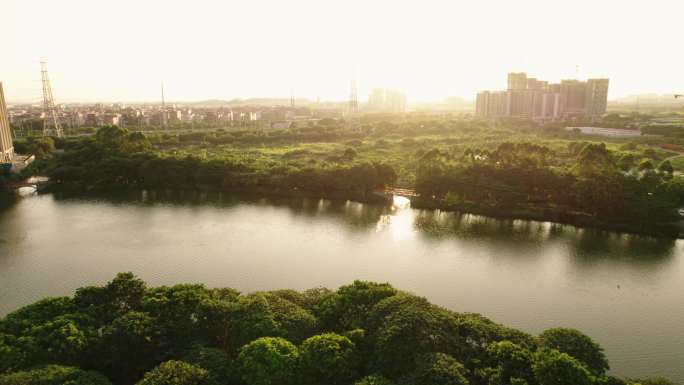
x,y
625,291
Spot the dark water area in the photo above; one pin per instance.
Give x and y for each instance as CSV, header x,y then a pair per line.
x,y
625,291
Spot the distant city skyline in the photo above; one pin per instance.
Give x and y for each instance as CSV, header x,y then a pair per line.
x,y
430,50
285,100
531,98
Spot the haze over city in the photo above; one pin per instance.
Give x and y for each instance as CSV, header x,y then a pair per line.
x,y
341,192
431,50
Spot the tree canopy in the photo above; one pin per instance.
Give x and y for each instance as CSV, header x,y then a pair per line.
x,y
364,333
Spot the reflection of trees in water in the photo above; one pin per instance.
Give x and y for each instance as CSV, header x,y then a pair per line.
x,y
439,224
13,225
583,244
356,216
590,245
6,200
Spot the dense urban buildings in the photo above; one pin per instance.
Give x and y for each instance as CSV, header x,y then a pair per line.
x,y
25,118
254,113
6,147
529,98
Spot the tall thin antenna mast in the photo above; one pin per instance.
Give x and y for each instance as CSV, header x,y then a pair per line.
x,y
353,98
163,107
638,103
50,121
292,98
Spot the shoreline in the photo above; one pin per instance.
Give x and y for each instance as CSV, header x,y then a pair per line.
x,y
668,231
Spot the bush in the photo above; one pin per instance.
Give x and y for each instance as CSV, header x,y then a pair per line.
x,y
578,345
436,369
374,379
327,359
552,367
54,375
215,361
175,373
268,361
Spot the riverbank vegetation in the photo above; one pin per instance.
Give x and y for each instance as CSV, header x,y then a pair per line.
x,y
361,334
116,158
585,182
509,169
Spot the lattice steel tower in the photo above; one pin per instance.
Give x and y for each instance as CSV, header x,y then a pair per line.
x,y
353,120
50,121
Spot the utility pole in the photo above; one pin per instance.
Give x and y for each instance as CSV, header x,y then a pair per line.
x,y
50,121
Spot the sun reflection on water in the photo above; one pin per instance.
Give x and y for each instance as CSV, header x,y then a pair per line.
x,y
401,202
399,223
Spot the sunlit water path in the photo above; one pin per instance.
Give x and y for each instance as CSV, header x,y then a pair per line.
x,y
627,292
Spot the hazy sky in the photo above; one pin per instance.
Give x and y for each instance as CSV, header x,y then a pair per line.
x,y
431,49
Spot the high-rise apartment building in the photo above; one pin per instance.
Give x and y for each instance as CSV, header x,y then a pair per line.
x,y
395,101
529,98
387,100
6,146
517,81
596,98
376,100
572,98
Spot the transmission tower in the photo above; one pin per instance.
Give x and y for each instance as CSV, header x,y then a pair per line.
x,y
50,121
353,120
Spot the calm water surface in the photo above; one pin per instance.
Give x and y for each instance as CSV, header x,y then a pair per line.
x,y
627,292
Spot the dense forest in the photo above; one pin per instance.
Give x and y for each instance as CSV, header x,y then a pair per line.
x,y
364,333
507,169
116,158
597,185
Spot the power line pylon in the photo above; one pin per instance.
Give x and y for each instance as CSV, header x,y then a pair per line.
x,y
353,120
51,123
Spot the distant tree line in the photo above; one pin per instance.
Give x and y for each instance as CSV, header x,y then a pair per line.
x,y
114,157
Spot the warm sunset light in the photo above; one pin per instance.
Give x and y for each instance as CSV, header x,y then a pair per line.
x,y
329,192
429,49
